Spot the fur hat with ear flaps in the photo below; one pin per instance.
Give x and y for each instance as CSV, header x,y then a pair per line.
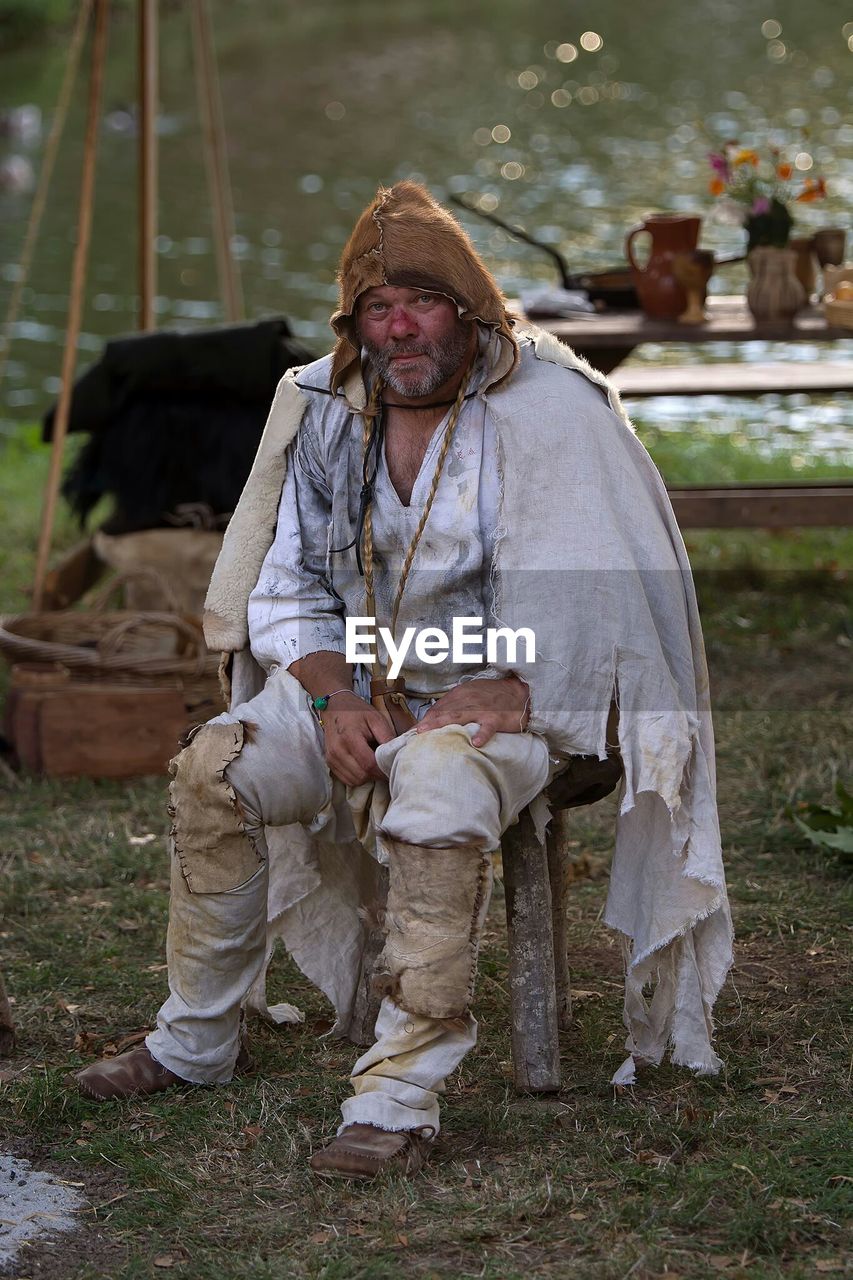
x,y
405,237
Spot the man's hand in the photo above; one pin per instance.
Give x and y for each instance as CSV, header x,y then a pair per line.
x,y
353,730
497,706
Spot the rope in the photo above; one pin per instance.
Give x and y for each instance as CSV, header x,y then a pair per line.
x,y
216,160
51,151
369,416
416,537
75,298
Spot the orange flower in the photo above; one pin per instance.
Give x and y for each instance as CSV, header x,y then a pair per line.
x,y
814,189
716,186
746,156
784,171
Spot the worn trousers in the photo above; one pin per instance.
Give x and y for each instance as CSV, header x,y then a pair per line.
x,y
442,792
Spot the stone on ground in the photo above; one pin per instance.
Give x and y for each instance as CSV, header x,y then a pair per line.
x,y
33,1205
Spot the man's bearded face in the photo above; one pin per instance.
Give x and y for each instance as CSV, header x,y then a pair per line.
x,y
414,340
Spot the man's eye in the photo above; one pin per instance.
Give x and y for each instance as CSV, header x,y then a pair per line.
x,y
427,297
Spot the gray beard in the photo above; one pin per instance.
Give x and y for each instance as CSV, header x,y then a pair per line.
x,y
446,356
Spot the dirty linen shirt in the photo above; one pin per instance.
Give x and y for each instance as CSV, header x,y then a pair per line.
x,y
304,592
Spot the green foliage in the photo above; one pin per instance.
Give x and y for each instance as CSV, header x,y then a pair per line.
x,y
828,828
21,18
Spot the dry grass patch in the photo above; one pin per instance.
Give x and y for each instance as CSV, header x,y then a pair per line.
x,y
742,1176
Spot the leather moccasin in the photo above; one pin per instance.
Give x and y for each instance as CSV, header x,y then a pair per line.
x,y
134,1074
365,1151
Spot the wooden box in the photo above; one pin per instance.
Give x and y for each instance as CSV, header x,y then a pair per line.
x,y
65,728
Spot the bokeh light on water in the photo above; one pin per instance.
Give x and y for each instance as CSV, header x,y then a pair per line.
x,y
571,120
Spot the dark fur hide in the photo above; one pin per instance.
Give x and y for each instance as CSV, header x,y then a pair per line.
x,y
161,453
174,421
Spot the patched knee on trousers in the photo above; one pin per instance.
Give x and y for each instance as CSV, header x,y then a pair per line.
x,y
210,843
433,917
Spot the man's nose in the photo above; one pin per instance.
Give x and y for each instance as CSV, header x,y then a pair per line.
x,y
403,324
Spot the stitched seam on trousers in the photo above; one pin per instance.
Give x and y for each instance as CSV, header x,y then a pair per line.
x,y
474,936
436,937
176,849
425,957
436,931
173,834
194,861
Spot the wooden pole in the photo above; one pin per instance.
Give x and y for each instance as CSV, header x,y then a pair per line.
x,y
558,875
532,989
216,161
148,94
51,151
75,298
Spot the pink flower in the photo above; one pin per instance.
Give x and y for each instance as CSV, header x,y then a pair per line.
x,y
760,205
719,164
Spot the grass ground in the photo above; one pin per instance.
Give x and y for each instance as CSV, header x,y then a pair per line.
x,y
745,1175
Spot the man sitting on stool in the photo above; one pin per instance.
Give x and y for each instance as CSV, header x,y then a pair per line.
x,y
439,465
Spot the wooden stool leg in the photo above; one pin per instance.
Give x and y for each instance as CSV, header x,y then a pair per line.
x,y
365,1007
533,1000
558,874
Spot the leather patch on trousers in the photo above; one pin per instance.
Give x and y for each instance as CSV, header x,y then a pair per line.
x,y
435,900
213,849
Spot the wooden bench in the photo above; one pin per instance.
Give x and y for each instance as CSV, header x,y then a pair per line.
x,y
747,379
763,506
608,338
757,506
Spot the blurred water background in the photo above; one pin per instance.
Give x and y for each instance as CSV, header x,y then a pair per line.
x,y
572,119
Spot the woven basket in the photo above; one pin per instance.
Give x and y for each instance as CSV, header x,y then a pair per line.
x,y
113,645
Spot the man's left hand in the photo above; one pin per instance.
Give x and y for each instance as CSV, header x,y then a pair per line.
x,y
497,706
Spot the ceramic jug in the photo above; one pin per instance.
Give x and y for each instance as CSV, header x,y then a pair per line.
x,y
805,263
661,296
774,294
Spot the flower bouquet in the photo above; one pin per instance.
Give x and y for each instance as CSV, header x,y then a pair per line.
x,y
756,192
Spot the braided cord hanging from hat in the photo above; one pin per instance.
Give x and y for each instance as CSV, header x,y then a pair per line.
x,y
374,406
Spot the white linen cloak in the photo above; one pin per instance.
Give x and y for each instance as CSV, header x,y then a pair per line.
x,y
587,554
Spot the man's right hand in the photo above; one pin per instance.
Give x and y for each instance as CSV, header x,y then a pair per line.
x,y
353,730
352,726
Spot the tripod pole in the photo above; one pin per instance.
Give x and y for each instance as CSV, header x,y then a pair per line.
x,y
75,297
148,93
216,160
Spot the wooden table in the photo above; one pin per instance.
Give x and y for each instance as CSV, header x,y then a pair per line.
x,y
606,339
